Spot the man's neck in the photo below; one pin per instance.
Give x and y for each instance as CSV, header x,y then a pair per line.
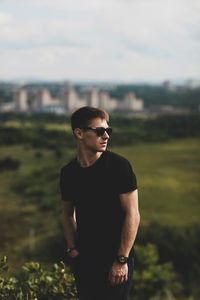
x,y
87,159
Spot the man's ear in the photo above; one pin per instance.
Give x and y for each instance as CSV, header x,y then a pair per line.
x,y
78,133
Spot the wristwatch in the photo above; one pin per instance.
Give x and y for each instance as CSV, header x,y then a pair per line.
x,y
121,259
69,250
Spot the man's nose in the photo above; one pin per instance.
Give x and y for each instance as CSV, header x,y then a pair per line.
x,y
106,135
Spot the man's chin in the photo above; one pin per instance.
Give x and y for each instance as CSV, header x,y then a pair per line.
x,y
102,150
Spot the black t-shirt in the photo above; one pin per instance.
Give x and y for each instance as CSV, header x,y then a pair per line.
x,y
94,191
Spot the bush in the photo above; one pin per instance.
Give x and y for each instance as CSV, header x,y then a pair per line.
x,y
152,280
9,163
181,247
39,154
33,282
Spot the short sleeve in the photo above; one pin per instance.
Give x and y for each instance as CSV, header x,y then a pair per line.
x,y
66,193
126,181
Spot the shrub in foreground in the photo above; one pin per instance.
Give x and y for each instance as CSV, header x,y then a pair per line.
x,y
33,282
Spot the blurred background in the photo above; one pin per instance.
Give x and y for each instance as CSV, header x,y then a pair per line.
x,y
140,61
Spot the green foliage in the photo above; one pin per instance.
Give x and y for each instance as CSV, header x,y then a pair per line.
x,y
40,187
39,154
33,282
127,131
9,163
179,246
38,184
39,118
169,193
36,136
158,95
151,279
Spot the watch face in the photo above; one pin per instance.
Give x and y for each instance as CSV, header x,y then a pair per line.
x,y
122,259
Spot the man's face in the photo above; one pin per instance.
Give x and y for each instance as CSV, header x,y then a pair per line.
x,y
91,141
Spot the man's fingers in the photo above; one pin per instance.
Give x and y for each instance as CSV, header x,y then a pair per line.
x,y
115,280
123,279
120,280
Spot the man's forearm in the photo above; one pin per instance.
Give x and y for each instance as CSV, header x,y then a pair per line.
x,y
69,226
129,232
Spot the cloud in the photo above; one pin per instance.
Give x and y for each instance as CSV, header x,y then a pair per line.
x,y
25,34
100,38
4,18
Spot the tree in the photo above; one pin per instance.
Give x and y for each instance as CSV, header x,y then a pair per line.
x,y
152,280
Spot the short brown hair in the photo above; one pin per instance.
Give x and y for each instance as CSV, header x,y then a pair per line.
x,y
82,116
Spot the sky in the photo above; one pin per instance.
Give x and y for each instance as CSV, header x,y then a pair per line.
x,y
100,40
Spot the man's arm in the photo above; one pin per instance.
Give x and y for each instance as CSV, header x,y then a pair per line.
x,y
129,202
69,226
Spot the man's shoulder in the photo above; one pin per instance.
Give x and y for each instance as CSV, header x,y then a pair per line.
x,y
69,167
116,158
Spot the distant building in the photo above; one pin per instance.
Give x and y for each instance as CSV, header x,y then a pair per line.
x,y
107,103
21,101
42,101
72,101
53,109
7,107
192,84
131,102
93,98
169,86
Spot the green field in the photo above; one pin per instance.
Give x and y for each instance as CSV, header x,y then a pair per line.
x,y
168,181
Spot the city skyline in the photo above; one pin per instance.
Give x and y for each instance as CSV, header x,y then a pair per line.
x,y
69,100
114,40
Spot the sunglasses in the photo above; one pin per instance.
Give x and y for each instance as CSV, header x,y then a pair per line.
x,y
100,130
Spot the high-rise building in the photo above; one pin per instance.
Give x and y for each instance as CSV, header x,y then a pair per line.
x,y
131,103
93,98
43,98
71,100
21,100
106,102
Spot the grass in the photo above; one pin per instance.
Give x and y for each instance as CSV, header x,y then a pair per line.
x,y
168,180
168,184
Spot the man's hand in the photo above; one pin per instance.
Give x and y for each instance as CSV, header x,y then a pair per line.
x,y
74,253
118,273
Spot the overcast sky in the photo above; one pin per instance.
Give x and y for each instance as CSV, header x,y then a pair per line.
x,y
109,40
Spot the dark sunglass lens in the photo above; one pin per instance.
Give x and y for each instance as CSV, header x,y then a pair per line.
x,y
109,130
100,131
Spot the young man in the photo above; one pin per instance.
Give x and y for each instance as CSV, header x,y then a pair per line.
x,y
100,210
